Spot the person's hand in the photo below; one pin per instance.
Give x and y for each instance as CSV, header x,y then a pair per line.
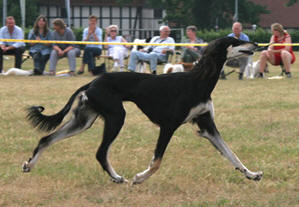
x,y
4,48
91,30
164,51
37,38
60,53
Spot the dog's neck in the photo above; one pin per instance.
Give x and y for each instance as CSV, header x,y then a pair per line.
x,y
207,71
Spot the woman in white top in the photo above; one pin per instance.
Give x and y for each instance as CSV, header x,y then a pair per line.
x,y
117,52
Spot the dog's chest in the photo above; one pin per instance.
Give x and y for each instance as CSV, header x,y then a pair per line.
x,y
198,110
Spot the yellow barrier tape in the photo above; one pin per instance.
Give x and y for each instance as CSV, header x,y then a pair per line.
x,y
127,43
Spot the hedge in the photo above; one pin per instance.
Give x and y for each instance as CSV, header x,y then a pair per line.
x,y
260,35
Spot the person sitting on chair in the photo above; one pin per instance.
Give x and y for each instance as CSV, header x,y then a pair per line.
x,y
242,61
278,55
94,34
153,54
11,31
117,52
192,53
40,52
62,33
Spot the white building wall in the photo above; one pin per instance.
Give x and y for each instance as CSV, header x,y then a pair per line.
x,y
107,18
124,17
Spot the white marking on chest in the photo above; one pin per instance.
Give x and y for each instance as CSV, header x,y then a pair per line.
x,y
200,109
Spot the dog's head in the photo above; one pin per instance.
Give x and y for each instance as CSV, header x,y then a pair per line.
x,y
238,48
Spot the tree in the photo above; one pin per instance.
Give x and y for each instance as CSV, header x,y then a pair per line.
x,y
206,14
13,9
291,2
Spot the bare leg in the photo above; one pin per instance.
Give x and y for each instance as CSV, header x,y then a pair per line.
x,y
266,56
81,70
164,138
209,131
81,120
286,59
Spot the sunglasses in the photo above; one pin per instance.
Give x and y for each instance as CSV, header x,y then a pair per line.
x,y
112,30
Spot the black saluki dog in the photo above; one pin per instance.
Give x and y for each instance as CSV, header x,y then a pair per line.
x,y
168,100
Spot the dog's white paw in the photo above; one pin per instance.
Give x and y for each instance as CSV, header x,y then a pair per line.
x,y
138,179
119,180
256,176
26,167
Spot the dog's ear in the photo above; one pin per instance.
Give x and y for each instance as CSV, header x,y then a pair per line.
x,y
169,70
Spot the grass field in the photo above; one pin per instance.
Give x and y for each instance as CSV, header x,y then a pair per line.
x,y
257,118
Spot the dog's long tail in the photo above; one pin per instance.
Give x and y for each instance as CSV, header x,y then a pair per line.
x,y
50,122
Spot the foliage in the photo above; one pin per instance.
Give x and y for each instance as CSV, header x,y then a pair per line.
x,y
291,2
206,14
13,9
260,35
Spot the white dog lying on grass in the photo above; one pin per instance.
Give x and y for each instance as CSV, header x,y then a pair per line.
x,y
17,71
20,72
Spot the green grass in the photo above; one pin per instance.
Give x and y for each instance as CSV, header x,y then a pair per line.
x,y
257,118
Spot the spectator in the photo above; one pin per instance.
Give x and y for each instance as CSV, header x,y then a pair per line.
x,y
153,54
242,61
278,55
11,31
40,52
70,51
192,53
117,52
94,34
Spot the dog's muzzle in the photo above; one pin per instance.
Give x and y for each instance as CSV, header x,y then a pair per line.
x,y
248,52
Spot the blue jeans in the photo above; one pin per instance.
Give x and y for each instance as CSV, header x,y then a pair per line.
x,y
88,56
152,58
40,60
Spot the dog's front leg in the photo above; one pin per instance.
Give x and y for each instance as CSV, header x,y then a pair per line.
x,y
209,131
164,138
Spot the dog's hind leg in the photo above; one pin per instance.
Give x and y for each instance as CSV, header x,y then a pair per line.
x,y
113,123
208,130
164,138
82,119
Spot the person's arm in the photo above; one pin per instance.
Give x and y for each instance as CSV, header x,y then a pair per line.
x,y
31,37
145,49
271,47
124,40
106,38
19,35
97,34
169,48
1,37
55,47
69,37
288,40
85,36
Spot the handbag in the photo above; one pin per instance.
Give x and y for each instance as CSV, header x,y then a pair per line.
x,y
99,69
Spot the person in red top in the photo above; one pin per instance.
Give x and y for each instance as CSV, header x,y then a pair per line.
x,y
278,55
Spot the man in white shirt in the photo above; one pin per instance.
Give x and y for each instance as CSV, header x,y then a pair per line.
x,y
153,54
11,31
